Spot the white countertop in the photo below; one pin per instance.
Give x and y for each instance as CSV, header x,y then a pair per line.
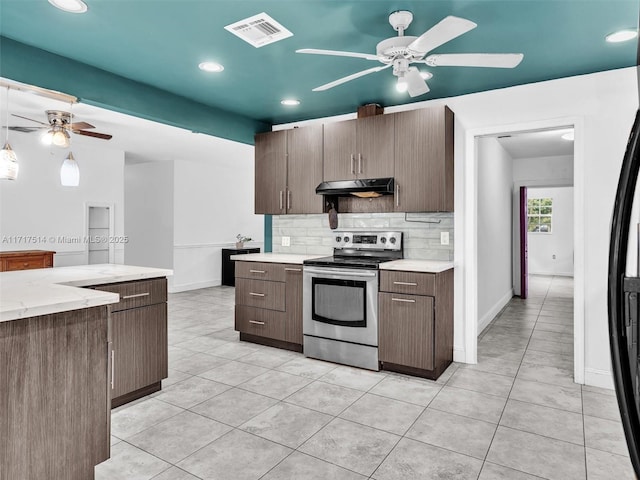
x,y
275,257
425,266
29,293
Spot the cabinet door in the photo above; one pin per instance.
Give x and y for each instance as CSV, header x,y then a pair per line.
x,y
293,293
270,172
304,169
375,147
139,340
424,160
340,150
406,330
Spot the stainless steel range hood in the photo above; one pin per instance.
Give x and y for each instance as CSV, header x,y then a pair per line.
x,y
366,187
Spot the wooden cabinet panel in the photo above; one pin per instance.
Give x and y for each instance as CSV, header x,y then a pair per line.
x,y
270,172
260,322
340,150
411,283
25,260
424,160
137,294
260,271
304,169
140,348
375,146
293,306
260,293
406,330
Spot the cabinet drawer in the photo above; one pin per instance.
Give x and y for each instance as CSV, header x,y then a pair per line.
x,y
24,263
261,294
137,294
406,330
260,322
261,271
412,283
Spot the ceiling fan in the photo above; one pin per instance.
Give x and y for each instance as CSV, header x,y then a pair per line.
x,y
400,52
58,128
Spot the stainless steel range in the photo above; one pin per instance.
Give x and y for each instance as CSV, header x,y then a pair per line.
x,y
340,298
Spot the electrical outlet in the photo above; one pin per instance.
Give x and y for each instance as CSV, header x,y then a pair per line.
x,y
286,241
444,238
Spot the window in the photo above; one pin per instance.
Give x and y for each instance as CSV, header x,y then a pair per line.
x,y
539,214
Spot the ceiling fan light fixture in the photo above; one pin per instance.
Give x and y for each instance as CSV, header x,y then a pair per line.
x,y
401,85
70,6
290,102
621,36
69,172
211,67
60,138
426,75
8,163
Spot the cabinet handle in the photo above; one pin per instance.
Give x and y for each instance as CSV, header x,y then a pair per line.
x,y
257,271
257,294
411,284
255,322
353,171
403,300
288,199
292,269
137,295
113,368
281,201
397,195
359,163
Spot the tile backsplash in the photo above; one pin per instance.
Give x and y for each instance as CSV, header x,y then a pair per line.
x,y
310,234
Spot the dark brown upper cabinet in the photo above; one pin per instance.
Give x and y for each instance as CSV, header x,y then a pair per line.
x,y
424,160
288,168
361,148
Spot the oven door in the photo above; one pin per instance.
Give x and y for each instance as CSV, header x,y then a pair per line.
x,y
341,304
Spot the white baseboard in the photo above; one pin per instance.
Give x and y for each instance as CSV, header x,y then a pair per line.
x,y
491,314
553,274
598,378
185,287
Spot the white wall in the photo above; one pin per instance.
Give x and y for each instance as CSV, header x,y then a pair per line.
x,y
531,172
543,247
36,205
495,181
213,202
148,218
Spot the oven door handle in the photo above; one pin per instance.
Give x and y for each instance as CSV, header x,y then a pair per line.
x,y
338,271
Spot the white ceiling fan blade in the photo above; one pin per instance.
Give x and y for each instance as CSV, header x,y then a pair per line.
x,y
448,29
348,78
337,53
494,60
416,85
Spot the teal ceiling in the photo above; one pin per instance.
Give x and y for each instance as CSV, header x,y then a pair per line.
x,y
135,44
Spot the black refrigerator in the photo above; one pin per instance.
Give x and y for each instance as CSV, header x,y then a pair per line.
x,y
624,296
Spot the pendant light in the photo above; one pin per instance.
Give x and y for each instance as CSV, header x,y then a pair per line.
x,y
8,160
69,171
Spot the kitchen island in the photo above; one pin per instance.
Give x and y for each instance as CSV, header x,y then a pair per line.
x,y
56,368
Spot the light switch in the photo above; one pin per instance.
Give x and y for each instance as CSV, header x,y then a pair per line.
x,y
444,238
286,241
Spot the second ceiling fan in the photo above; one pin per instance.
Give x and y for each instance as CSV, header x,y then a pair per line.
x,y
402,51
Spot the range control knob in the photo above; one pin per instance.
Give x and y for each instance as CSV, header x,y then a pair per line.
x,y
338,239
383,240
392,240
346,239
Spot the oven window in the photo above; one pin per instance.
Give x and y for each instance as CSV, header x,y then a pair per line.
x,y
339,302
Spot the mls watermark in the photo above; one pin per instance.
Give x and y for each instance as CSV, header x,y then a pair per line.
x,y
64,239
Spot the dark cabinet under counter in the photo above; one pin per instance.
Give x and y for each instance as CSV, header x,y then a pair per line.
x,y
228,265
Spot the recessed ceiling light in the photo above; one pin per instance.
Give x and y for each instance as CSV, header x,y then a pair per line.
x,y
211,67
71,6
426,75
568,136
290,102
621,36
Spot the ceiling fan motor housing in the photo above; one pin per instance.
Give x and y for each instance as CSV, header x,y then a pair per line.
x,y
58,117
391,48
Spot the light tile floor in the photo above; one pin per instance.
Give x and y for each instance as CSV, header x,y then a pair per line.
x,y
234,411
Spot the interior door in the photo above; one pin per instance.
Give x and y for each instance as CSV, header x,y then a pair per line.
x,y
524,247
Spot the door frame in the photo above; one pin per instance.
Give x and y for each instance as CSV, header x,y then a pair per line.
x,y
466,228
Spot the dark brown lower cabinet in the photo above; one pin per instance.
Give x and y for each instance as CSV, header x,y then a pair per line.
x,y
416,322
54,395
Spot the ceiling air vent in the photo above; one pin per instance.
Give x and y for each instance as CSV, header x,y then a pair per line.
x,y
259,30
